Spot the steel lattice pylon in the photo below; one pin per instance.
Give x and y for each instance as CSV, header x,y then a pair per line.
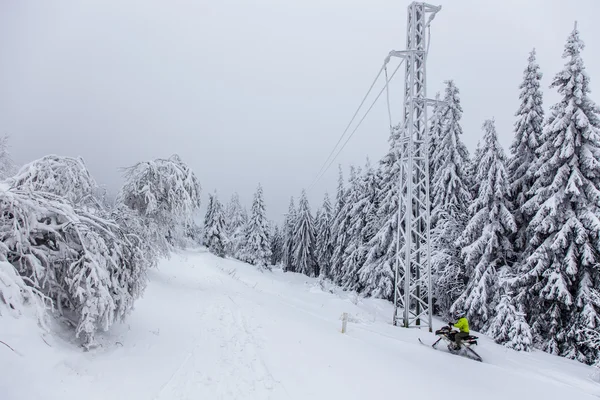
x,y
412,292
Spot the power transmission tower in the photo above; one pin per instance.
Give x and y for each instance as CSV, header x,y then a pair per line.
x,y
412,292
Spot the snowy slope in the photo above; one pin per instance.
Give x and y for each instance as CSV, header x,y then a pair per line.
x,y
209,328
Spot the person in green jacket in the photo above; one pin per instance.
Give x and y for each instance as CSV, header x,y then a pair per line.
x,y
463,327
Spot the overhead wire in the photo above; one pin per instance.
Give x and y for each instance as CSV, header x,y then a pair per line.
x,y
320,175
351,121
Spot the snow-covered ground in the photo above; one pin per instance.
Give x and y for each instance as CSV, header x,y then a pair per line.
x,y
209,328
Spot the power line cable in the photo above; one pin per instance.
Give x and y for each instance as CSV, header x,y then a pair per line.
x,y
320,175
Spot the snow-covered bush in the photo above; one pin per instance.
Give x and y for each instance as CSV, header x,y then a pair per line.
x,y
15,294
92,268
67,177
165,191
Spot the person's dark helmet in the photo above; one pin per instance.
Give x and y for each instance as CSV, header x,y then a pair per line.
x,y
459,314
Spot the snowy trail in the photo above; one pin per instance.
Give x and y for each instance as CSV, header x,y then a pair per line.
x,y
209,328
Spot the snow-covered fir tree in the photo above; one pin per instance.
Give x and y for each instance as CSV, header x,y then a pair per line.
x,y
560,276
216,240
288,237
449,189
486,247
166,192
450,199
338,235
341,226
377,273
363,226
257,247
208,218
235,221
276,245
304,239
528,131
324,247
508,326
435,132
472,168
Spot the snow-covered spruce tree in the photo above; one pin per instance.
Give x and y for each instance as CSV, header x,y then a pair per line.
x,y
304,240
92,268
508,326
340,200
324,247
216,238
363,227
435,132
165,191
235,220
208,218
288,238
66,177
450,199
528,132
7,165
485,241
276,245
472,168
449,188
341,226
257,248
560,275
377,274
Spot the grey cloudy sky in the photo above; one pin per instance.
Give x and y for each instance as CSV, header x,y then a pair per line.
x,y
249,91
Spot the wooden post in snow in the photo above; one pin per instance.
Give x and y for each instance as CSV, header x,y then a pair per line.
x,y
344,322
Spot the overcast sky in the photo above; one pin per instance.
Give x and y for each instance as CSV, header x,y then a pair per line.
x,y
249,91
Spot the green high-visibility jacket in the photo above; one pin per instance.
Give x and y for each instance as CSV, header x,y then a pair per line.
x,y
462,324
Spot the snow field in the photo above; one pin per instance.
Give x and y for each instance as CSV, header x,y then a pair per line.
x,y
209,328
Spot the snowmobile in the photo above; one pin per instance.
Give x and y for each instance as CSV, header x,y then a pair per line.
x,y
447,334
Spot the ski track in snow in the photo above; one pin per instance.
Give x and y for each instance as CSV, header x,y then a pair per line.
x,y
209,328
237,369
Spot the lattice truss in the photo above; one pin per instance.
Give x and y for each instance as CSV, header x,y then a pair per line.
x,y
412,296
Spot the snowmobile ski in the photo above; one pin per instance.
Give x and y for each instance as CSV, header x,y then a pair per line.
x,y
447,335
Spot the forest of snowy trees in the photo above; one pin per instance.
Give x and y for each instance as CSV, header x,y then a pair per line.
x,y
515,238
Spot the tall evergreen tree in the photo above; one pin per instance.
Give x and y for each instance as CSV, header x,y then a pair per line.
x,y
276,245
288,237
235,221
449,184
340,200
485,242
450,199
257,249
361,226
560,276
435,132
508,326
472,166
208,218
377,273
528,132
341,226
304,239
324,247
216,236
